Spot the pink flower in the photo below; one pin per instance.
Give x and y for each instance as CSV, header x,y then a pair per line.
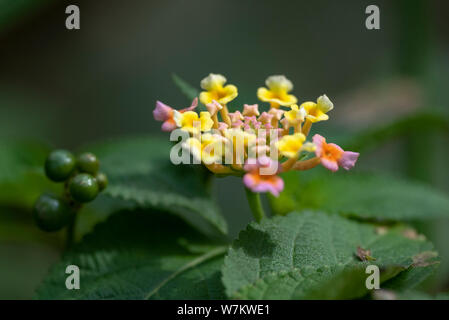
x,y
332,156
262,176
250,110
222,126
213,107
266,117
237,124
235,116
277,113
165,113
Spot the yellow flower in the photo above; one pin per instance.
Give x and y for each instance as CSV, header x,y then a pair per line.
x,y
295,115
216,90
290,145
277,92
209,150
190,122
317,111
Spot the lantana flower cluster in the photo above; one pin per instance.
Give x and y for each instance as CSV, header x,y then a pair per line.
x,y
252,143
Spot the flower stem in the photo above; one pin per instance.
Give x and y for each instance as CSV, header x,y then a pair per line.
x,y
255,204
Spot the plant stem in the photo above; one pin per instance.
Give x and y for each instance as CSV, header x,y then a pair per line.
x,y
255,204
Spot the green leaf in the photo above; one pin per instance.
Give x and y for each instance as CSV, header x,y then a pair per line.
x,y
140,173
188,90
424,265
365,196
313,255
22,176
139,255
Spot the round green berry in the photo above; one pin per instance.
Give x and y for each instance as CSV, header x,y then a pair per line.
x,y
88,163
102,181
59,165
83,188
51,213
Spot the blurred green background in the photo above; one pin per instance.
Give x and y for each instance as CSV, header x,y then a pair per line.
x,y
70,87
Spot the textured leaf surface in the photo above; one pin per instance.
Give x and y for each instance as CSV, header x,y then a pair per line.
x,y
140,172
364,196
313,255
137,255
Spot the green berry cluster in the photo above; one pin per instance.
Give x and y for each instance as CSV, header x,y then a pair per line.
x,y
82,183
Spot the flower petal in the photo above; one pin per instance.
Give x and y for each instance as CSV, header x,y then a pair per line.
x,y
230,94
278,83
332,165
318,142
162,112
348,159
324,103
212,81
168,125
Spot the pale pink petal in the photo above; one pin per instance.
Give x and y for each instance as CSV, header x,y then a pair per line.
x,y
250,110
318,142
162,112
278,186
265,161
222,126
250,119
348,159
193,105
265,186
277,113
271,165
274,186
168,125
265,117
249,181
329,164
251,165
257,125
213,107
235,116
237,124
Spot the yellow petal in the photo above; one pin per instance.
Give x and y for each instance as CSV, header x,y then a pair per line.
x,y
279,83
206,121
290,145
264,94
309,147
276,97
206,97
228,94
188,121
325,104
213,81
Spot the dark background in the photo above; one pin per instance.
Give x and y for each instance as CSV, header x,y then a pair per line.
x,y
71,87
